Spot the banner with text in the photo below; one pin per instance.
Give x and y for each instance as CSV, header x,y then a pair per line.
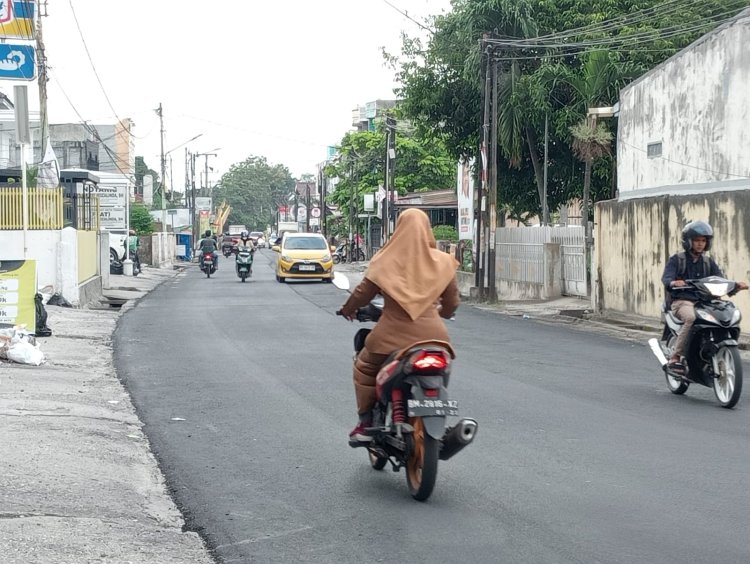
x,y
17,291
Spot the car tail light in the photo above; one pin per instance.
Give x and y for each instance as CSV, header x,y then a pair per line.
x,y
431,392
428,361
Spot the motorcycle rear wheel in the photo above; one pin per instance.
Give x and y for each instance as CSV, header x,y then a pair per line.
x,y
421,466
728,385
243,275
676,385
336,259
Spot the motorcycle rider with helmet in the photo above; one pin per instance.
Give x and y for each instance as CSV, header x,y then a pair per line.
x,y
208,245
692,264
246,243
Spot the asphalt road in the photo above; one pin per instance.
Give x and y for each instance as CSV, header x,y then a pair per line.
x,y
582,454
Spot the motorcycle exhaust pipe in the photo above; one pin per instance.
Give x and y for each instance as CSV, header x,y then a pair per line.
x,y
656,349
457,437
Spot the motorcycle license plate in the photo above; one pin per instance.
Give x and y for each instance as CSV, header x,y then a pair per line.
x,y
307,267
243,269
427,407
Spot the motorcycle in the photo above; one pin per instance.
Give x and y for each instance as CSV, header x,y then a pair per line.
x,y
341,254
244,263
712,358
409,427
207,264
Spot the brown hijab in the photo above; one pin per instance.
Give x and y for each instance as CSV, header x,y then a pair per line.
x,y
409,267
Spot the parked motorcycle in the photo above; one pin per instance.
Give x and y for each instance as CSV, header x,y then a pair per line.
x,y
244,263
409,417
341,254
207,264
712,358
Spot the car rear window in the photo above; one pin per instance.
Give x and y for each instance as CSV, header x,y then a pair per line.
x,y
305,243
256,234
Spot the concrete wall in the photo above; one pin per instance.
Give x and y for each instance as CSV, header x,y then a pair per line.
x,y
697,105
634,239
163,249
56,253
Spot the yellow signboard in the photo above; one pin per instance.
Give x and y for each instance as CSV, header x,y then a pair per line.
x,y
17,19
17,291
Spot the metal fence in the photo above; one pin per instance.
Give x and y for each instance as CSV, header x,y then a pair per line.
x,y
81,211
520,255
45,208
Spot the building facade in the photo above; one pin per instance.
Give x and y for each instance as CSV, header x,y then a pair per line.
x,y
685,125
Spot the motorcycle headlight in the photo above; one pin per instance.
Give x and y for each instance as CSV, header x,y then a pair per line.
x,y
736,316
706,316
326,258
286,258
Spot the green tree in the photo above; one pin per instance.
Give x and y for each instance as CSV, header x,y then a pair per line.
x,y
140,219
420,165
543,50
254,189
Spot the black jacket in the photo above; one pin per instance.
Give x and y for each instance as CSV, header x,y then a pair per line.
x,y
694,269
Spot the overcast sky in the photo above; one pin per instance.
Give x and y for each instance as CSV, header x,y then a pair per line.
x,y
277,78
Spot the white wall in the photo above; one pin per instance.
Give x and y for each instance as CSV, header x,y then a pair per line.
x,y
56,253
697,104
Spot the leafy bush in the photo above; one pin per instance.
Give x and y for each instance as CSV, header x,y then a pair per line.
x,y
445,233
140,219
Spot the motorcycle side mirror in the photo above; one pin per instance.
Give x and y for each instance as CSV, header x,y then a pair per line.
x,y
341,281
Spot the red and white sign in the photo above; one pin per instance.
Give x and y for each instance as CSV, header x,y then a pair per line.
x,y
315,212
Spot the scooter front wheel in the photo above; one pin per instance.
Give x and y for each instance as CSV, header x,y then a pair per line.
x,y
421,466
728,382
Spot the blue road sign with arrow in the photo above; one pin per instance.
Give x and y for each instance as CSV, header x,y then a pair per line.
x,y
17,62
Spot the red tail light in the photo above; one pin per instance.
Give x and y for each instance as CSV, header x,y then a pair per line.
x,y
431,392
427,361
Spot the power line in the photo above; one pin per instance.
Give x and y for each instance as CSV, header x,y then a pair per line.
x,y
408,17
98,79
91,129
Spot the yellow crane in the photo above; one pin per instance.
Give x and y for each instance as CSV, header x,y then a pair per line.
x,y
222,213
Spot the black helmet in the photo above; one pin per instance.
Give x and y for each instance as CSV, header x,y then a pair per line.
x,y
207,234
244,235
696,229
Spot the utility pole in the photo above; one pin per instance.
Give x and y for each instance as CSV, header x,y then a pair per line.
x,y
322,192
482,197
545,208
192,198
42,80
492,196
307,204
162,182
390,125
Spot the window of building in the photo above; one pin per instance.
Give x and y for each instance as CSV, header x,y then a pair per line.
x,y
653,150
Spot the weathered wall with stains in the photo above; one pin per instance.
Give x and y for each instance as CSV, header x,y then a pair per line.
x,y
634,238
697,104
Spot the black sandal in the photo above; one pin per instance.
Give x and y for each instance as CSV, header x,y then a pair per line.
x,y
676,367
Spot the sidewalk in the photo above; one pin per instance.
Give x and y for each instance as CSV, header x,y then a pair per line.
x,y
79,483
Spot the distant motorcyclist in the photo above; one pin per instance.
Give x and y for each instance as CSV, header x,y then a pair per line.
x,y
692,264
246,243
208,245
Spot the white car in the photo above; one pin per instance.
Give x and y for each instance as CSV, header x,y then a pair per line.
x,y
261,243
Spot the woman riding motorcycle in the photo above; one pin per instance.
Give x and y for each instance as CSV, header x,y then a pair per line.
x,y
418,284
